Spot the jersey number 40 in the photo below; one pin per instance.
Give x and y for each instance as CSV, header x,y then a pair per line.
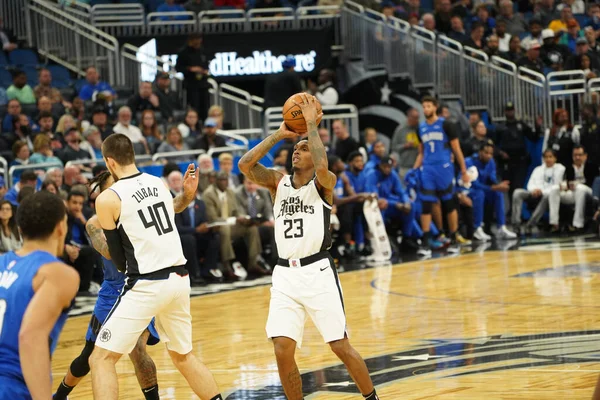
x,y
156,220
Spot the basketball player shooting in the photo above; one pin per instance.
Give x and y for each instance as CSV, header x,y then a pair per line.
x,y
137,215
305,279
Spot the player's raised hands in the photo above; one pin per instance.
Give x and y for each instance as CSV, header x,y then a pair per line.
x,y
190,181
308,105
285,133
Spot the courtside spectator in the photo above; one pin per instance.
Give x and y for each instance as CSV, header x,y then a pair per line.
x,y
94,85
561,137
577,188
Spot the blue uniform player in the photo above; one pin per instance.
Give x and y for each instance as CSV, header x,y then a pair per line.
x,y
36,291
438,140
107,297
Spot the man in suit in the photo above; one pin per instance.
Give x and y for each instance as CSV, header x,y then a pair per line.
x,y
579,177
256,202
226,165
221,206
197,239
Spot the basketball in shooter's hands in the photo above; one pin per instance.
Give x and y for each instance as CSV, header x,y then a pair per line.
x,y
292,113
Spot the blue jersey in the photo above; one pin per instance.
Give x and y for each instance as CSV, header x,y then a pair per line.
x,y
486,173
436,141
112,276
16,291
338,189
358,182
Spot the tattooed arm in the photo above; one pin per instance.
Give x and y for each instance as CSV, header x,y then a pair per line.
x,y
258,173
97,238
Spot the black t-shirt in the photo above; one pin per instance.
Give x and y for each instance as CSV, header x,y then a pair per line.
x,y
343,148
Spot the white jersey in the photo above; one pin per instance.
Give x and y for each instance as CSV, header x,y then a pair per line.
x,y
147,224
301,220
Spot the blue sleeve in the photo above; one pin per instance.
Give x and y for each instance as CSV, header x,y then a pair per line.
x,y
7,124
86,93
491,167
371,182
398,189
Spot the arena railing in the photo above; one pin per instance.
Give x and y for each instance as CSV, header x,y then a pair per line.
x,y
346,112
222,21
13,15
237,105
171,23
271,19
76,9
71,42
11,171
4,169
120,18
568,90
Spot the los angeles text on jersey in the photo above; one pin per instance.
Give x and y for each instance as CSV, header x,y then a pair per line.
x,y
432,136
293,205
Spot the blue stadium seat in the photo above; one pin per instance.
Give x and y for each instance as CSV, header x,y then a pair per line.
x,y
79,83
152,5
60,76
581,18
29,109
3,59
23,57
32,75
5,78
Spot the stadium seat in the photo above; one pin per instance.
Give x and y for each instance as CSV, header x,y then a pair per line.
x,y
152,5
3,59
78,84
22,57
60,76
32,75
123,92
5,78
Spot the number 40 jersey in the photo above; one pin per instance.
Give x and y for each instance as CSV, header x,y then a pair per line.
x,y
301,219
147,225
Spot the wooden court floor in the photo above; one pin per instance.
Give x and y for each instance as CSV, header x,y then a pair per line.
x,y
521,324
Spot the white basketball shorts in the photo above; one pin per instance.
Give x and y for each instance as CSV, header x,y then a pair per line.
x,y
168,300
312,290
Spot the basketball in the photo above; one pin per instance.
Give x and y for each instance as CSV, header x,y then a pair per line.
x,y
292,114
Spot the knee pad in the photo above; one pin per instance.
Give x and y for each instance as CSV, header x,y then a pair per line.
x,y
427,206
80,366
450,204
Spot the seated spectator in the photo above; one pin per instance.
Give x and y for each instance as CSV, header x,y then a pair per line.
x,y
65,123
393,200
44,105
461,8
72,176
574,61
573,36
10,237
503,36
55,174
190,128
577,6
50,186
220,207
560,25
543,187
325,92
593,20
577,188
535,32
256,202
19,89
443,13
492,46
553,54
197,6
357,179
77,111
226,165
21,131
344,144
94,85
169,6
487,191
457,29
483,17
131,131
92,143
586,67
561,137
593,43
78,251
269,4
379,151
42,151
532,60
428,22
151,131
174,142
369,139
144,99
46,122
515,52
514,22
280,156
475,39
205,167
44,88
28,179
473,144
73,150
168,100
209,139
218,114
21,153
100,121
545,12
5,39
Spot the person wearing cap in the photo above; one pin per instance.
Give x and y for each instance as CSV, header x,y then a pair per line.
x,y
100,121
573,34
72,150
393,200
279,87
510,141
168,100
192,61
561,24
552,54
209,138
574,60
532,60
515,22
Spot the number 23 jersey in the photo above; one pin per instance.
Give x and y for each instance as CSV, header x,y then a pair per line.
x,y
147,224
301,220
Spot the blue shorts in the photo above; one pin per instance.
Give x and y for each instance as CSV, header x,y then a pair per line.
x,y
107,297
11,389
437,182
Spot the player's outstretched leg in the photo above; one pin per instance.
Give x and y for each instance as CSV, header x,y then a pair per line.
x,y
197,375
78,369
145,370
356,367
105,385
285,350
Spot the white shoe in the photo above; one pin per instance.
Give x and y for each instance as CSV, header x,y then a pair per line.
x,y
481,236
216,273
239,271
94,288
504,233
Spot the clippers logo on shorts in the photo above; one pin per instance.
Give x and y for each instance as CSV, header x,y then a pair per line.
x,y
293,205
105,335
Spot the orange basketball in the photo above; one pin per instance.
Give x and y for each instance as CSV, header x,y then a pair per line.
x,y
292,114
